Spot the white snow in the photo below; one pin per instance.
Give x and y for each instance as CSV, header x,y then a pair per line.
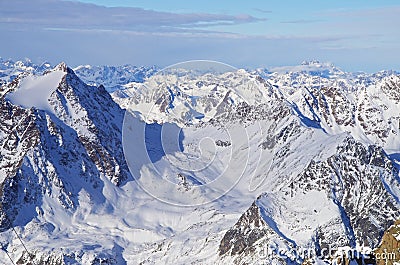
x,y
34,91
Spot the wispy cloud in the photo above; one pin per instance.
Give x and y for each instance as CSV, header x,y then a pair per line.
x,y
301,21
76,15
197,33
262,10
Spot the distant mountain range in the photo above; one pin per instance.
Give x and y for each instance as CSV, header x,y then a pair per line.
x,y
111,77
133,165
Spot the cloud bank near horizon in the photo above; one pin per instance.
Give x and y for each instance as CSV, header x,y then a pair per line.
x,y
68,15
80,33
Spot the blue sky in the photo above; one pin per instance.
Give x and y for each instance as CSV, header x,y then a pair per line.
x,y
354,35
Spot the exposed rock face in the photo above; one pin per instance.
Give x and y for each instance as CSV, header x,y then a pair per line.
x,y
362,104
391,87
20,135
388,251
112,257
342,108
241,237
49,156
250,239
354,179
97,119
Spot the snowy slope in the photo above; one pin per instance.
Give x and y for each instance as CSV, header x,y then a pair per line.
x,y
36,91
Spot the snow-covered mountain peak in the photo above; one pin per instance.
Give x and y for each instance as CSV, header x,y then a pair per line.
x,y
61,67
190,96
113,77
9,69
35,91
313,68
311,62
30,90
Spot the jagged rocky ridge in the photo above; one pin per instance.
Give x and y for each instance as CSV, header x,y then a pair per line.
x,y
49,157
355,179
63,166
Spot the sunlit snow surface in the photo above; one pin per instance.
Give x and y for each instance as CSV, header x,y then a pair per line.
x,y
34,91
